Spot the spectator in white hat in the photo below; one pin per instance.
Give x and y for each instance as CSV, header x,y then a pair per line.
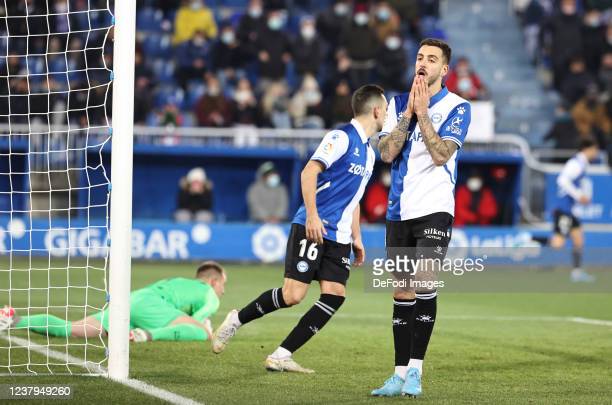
x,y
195,197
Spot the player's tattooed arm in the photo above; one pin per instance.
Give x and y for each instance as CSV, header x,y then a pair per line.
x,y
440,151
391,145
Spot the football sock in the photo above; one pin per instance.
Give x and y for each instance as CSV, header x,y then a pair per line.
x,y
46,325
180,332
424,319
281,353
403,311
267,302
577,257
312,321
415,363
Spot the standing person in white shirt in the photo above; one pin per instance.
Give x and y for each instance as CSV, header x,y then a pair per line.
x,y
422,134
574,189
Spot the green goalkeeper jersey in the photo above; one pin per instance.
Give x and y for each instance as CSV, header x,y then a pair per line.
x,y
188,295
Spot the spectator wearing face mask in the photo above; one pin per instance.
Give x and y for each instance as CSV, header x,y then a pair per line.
x,y
386,21
594,37
191,59
475,203
392,64
267,197
273,49
362,46
275,106
228,54
561,38
191,17
463,81
340,107
213,109
332,21
307,49
306,106
249,27
195,198
244,104
376,198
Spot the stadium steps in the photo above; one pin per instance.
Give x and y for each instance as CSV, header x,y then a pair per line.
x,y
490,36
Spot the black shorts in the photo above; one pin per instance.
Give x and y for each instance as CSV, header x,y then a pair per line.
x,y
306,261
564,222
430,235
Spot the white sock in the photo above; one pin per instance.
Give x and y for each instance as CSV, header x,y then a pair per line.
x,y
418,364
235,320
401,371
281,353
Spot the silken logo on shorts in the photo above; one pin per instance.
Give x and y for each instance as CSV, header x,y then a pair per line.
x,y
433,233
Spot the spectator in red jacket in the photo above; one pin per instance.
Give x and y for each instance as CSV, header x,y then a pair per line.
x,y
463,81
375,201
475,203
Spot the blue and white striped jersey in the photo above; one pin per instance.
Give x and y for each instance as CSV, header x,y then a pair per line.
x,y
349,161
572,183
418,186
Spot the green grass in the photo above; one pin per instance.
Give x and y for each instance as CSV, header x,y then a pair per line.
x,y
470,358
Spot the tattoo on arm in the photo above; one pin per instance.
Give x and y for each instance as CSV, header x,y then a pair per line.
x,y
439,150
391,145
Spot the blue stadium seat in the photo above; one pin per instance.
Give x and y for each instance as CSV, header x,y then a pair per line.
x,y
149,19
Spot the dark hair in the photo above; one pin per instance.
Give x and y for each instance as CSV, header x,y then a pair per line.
x,y
586,143
362,97
446,49
209,268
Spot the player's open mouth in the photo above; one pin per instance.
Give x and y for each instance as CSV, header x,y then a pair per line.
x,y
422,72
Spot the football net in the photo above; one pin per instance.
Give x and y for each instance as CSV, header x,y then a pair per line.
x,y
55,131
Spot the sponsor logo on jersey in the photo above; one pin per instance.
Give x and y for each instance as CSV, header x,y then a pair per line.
x,y
302,266
454,127
358,170
416,136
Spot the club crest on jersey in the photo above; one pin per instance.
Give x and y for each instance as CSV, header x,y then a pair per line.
x,y
302,266
437,117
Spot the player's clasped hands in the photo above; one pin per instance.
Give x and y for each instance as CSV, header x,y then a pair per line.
x,y
421,95
315,229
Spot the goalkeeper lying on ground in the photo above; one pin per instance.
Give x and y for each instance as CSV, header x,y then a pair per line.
x,y
171,309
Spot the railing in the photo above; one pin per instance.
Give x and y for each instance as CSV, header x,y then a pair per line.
x,y
301,140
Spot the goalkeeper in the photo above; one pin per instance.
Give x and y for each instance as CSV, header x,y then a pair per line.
x,y
174,309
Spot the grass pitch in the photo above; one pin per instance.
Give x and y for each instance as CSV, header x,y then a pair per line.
x,y
486,348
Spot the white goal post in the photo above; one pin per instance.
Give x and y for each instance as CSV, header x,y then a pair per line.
x,y
121,191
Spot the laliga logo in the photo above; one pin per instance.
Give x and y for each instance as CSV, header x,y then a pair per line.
x,y
515,246
15,229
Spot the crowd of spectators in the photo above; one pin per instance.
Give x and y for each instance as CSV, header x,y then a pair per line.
x,y
274,63
572,40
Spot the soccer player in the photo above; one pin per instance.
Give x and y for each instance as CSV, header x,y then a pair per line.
x,y
174,309
573,190
319,243
422,134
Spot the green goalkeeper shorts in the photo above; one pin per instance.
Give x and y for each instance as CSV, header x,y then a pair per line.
x,y
147,311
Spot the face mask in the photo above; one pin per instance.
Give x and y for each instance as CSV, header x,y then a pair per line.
x,y
308,32
255,12
361,19
383,14
199,41
196,5
386,179
312,96
474,184
61,8
227,37
273,180
214,91
242,96
592,22
393,43
341,9
464,85
275,23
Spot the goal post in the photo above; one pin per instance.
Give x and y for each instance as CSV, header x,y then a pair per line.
x,y
121,188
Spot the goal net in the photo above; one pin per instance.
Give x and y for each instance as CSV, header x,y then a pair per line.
x,y
55,131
